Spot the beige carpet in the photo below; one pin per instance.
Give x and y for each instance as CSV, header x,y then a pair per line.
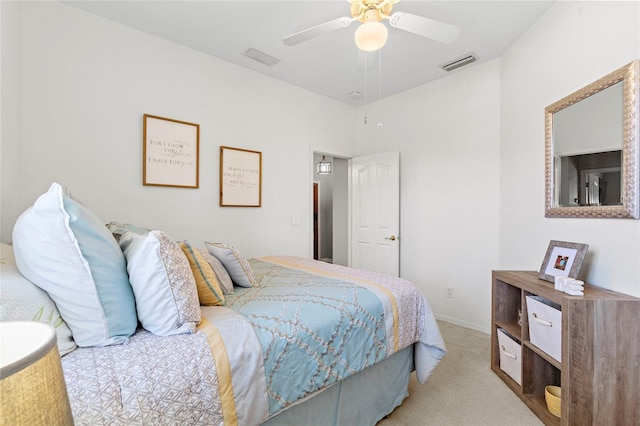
x,y
463,391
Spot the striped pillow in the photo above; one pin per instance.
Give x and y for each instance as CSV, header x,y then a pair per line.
x,y
209,291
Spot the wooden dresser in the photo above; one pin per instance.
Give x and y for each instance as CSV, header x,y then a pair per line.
x,y
599,371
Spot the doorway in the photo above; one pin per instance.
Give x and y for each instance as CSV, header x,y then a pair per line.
x,y
334,220
330,211
316,241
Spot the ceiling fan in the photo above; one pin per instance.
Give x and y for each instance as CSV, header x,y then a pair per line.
x,y
372,34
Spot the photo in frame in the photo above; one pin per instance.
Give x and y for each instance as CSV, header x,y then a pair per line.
x,y
563,259
170,152
240,177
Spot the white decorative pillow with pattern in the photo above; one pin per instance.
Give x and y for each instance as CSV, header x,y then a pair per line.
x,y
223,276
163,284
234,262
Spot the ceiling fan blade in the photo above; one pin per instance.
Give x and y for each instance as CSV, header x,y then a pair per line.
x,y
317,30
425,27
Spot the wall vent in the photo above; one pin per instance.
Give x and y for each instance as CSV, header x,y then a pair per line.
x,y
460,62
260,56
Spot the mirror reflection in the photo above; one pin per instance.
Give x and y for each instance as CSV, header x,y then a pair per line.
x,y
589,179
587,148
591,146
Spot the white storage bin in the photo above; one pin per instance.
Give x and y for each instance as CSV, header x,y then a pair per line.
x,y
510,356
545,325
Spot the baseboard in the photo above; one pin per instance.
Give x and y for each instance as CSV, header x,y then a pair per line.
x,y
464,324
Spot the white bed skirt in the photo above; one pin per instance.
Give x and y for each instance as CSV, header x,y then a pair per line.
x,y
360,400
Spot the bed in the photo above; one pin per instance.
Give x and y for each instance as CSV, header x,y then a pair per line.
x,y
299,342
256,359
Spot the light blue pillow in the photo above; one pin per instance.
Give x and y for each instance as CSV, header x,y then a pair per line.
x,y
67,251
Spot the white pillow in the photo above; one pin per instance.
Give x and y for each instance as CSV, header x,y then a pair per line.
x,y
21,300
162,281
223,276
64,249
235,263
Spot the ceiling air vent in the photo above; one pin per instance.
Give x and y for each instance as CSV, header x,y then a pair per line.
x,y
460,62
260,56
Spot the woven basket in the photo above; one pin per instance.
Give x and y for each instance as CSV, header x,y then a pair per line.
x,y
552,396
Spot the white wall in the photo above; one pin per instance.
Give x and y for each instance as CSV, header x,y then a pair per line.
x,y
86,83
448,135
10,117
471,144
572,45
461,136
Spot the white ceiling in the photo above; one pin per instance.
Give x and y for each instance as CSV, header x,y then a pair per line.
x,y
330,64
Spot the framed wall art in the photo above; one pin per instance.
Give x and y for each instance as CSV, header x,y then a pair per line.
x,y
240,177
563,259
170,152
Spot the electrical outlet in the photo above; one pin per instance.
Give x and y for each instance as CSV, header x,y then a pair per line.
x,y
450,293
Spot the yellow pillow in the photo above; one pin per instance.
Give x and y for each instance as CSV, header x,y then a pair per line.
x,y
209,290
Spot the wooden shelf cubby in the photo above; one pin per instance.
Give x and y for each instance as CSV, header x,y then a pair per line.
x,y
599,371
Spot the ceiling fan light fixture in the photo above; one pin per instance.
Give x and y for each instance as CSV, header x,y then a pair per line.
x,y
371,36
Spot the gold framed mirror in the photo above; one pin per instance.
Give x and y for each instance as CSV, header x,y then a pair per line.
x,y
592,149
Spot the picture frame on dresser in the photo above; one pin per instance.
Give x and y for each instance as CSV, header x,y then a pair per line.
x,y
563,259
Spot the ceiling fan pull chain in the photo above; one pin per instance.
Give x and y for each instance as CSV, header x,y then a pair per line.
x,y
380,75
365,87
380,82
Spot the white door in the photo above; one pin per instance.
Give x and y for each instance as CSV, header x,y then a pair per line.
x,y
375,213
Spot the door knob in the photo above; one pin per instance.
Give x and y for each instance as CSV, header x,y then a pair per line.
x,y
392,238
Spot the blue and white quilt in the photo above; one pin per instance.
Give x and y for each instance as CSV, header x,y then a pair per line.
x,y
307,326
